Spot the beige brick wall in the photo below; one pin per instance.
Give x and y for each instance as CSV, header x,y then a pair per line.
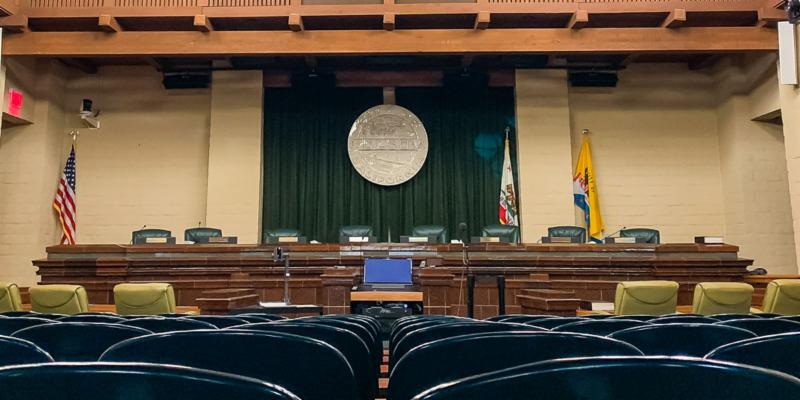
x,y
790,111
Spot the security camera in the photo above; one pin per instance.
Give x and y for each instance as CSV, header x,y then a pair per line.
x,y
793,10
87,116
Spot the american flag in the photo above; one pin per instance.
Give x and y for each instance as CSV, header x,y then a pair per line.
x,y
64,203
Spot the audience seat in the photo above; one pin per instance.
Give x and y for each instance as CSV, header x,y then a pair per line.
x,y
457,357
15,351
397,334
727,317
520,319
652,236
568,232
144,298
201,232
623,378
266,317
219,321
552,322
638,317
782,297
779,352
646,298
722,298
680,339
161,324
10,299
311,369
88,381
683,319
764,326
109,319
78,341
601,327
431,230
10,325
59,299
358,327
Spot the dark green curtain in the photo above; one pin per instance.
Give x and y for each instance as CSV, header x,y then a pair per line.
x,y
310,185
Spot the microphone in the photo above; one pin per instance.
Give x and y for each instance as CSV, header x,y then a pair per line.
x,y
462,232
614,233
277,254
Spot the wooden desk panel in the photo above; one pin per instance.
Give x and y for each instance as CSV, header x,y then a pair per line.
x,y
386,296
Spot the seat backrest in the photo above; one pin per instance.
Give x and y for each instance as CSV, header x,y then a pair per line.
x,y
764,326
623,378
13,324
520,319
355,231
479,353
144,298
649,235
202,232
431,230
683,319
366,334
161,324
266,317
15,351
436,332
568,231
110,319
722,298
310,368
59,299
601,327
680,339
149,233
727,317
552,322
779,352
783,297
78,341
220,321
271,235
10,299
398,334
638,317
646,297
504,231
76,381
357,353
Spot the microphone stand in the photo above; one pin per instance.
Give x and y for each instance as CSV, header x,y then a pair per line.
x,y
470,278
279,255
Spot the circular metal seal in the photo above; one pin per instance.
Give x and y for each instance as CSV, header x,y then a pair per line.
x,y
387,145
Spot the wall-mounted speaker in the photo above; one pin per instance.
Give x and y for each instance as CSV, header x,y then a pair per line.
x,y
593,78
187,80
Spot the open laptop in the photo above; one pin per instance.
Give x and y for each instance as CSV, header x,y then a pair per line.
x,y
387,274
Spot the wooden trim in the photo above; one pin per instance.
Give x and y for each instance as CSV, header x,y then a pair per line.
x,y
675,19
385,296
108,23
769,17
578,20
388,21
9,7
359,42
482,20
202,23
296,23
14,23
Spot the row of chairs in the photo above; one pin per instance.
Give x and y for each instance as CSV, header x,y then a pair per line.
x,y
130,298
419,346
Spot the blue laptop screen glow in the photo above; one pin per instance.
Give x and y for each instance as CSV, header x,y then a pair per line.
x,y
382,270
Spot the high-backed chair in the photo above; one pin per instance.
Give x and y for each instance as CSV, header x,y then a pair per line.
x,y
161,324
220,321
368,335
764,326
722,298
622,378
779,352
79,381
440,232
10,299
680,339
59,299
273,235
78,341
510,232
568,232
648,235
349,231
143,234
199,233
783,297
144,298
15,351
601,327
646,298
311,369
357,353
480,353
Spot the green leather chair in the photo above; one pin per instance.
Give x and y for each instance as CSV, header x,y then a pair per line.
x,y
567,231
149,233
193,234
503,231
272,235
722,298
646,298
59,299
783,297
10,299
431,230
649,235
144,298
355,231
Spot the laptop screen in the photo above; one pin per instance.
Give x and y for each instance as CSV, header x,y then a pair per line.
x,y
383,270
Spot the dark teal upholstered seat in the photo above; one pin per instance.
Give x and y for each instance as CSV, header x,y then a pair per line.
x,y
568,232
161,324
143,234
728,317
220,321
623,378
636,317
552,322
680,339
349,231
600,327
200,233
519,319
272,235
10,325
16,351
111,319
478,353
779,352
311,369
108,381
647,234
764,326
510,232
687,319
431,230
78,341
266,317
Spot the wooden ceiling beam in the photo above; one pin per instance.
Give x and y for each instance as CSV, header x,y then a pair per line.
x,y
107,23
296,23
675,19
482,20
9,7
388,21
578,20
363,42
14,23
81,64
202,23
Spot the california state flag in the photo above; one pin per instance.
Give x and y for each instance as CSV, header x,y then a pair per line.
x,y
508,196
